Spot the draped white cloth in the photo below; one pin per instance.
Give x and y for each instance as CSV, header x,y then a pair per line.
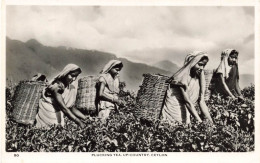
x,y
174,108
49,112
111,89
223,67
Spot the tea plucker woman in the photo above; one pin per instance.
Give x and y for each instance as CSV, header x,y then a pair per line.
x,y
187,87
227,75
58,98
108,89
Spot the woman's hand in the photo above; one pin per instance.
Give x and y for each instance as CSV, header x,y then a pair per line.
x,y
119,102
87,117
59,126
122,103
81,124
231,97
199,120
106,97
241,98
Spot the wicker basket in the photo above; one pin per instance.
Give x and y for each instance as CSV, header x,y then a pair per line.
x,y
26,101
86,94
208,78
150,97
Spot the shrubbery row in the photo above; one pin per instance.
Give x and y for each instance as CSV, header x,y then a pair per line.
x,y
233,131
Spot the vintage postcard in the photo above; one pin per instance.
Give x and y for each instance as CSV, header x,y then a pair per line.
x,y
124,81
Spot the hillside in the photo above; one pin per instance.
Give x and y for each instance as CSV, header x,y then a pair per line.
x,y
23,60
167,66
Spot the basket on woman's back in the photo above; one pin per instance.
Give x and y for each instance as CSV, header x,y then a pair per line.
x,y
151,95
86,94
26,101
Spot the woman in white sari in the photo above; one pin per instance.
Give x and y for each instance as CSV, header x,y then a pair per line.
x,y
58,98
108,89
186,88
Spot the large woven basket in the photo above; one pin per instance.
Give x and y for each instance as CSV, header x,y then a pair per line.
x,y
86,94
150,97
208,78
26,101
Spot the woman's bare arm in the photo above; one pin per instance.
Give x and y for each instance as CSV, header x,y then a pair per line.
x,y
204,108
59,99
238,90
222,80
189,105
105,97
76,112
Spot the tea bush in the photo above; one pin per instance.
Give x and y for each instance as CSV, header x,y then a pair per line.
x,y
233,131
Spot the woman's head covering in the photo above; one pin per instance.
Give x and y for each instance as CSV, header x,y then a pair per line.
x,y
192,55
69,94
67,69
182,76
110,65
223,67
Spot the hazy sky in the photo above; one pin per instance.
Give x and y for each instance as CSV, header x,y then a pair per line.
x,y
141,34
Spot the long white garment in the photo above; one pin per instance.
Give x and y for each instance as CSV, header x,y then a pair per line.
x,y
111,89
174,108
223,67
49,112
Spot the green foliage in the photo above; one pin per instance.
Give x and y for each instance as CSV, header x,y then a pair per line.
x,y
233,131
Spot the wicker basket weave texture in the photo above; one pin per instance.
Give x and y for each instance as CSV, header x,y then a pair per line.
x,y
150,96
208,78
26,101
86,93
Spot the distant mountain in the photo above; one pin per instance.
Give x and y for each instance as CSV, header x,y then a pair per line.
x,y
24,60
167,66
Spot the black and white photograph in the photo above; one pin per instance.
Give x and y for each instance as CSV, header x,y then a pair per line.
x,y
129,80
